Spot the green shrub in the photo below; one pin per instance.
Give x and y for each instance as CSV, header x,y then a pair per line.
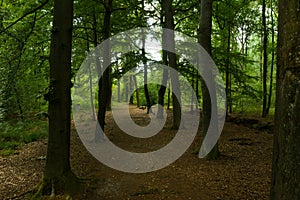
x,y
14,135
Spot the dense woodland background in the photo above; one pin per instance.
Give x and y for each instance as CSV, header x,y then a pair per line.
x,y
43,44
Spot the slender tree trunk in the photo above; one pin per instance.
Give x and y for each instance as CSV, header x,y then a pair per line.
x,y
126,88
91,81
131,89
146,91
57,170
91,92
272,60
227,71
205,40
265,59
192,94
176,99
21,112
197,93
169,96
285,184
119,91
104,83
136,91
162,89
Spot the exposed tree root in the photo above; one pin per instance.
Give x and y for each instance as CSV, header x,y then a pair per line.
x,y
65,186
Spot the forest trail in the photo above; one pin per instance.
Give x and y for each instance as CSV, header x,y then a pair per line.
x,y
242,172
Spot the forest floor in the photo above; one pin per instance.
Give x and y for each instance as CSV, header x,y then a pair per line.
x,y
242,172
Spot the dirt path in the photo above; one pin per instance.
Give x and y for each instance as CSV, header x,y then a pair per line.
x,y
242,172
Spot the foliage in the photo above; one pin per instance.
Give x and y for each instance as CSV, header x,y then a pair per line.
x,y
25,47
14,135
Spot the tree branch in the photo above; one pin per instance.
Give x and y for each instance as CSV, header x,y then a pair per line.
x,y
185,10
25,15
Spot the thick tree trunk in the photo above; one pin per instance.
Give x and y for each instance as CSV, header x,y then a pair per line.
x,y
57,169
285,183
205,40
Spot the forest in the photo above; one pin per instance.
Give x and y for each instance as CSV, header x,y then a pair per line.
x,y
150,99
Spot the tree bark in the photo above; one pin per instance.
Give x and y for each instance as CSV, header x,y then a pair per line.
x,y
227,72
176,99
205,40
285,184
146,91
265,59
137,94
131,89
162,89
104,83
57,169
272,60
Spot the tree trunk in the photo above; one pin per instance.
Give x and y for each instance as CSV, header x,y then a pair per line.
x,y
57,170
91,81
104,83
131,89
136,91
285,184
91,92
125,79
205,40
197,94
265,59
272,60
162,89
169,96
146,91
192,93
176,99
119,91
227,72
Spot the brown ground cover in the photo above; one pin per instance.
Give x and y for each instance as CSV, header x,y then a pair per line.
x,y
242,172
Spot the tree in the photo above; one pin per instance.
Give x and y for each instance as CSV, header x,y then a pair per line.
x,y
265,59
104,83
176,99
146,90
286,154
204,39
162,89
58,172
272,56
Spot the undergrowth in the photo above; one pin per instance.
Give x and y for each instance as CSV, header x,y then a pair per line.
x,y
15,134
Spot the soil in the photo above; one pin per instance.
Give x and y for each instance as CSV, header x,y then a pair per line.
x,y
242,172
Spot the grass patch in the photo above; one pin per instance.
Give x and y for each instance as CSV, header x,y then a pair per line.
x,y
15,134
